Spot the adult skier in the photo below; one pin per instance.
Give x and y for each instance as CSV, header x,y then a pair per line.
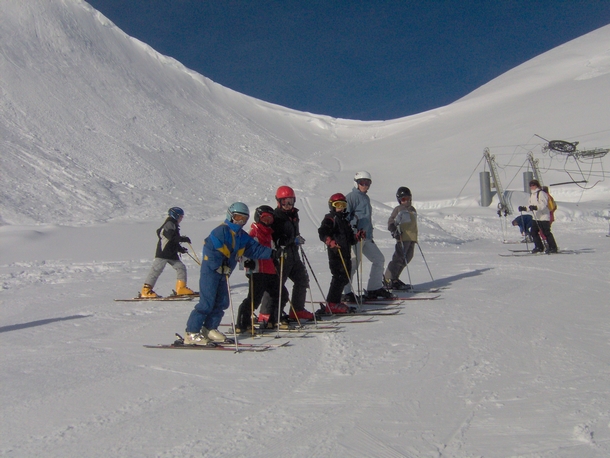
x,y
360,215
221,249
168,247
539,206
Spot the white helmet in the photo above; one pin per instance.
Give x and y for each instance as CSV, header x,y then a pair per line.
x,y
364,175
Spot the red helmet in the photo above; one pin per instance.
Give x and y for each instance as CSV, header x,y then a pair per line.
x,y
333,202
283,192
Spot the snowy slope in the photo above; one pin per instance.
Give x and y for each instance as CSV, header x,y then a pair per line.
x,y
100,135
100,125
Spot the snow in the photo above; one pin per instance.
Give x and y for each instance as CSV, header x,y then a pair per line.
x,y
100,135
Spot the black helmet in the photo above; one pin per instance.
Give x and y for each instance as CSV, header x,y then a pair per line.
x,y
403,191
262,210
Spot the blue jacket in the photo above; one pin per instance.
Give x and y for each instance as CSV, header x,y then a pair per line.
x,y
227,243
360,212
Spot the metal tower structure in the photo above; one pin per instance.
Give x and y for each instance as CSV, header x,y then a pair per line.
x,y
504,207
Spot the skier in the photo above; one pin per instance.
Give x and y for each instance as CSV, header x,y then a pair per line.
x,y
359,213
221,249
525,226
402,224
262,275
287,238
336,232
539,206
168,247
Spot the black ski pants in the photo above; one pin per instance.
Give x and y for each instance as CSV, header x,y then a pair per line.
x,y
339,274
259,285
545,227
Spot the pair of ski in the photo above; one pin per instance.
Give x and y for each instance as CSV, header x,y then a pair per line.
x,y
517,253
173,297
228,345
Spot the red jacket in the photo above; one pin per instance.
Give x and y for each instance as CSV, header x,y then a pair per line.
x,y
262,234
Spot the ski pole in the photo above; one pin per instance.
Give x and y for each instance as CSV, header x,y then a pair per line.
x,y
314,276
425,262
527,247
315,318
348,279
404,250
361,285
279,297
252,302
232,313
196,258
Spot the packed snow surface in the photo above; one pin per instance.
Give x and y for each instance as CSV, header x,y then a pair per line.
x,y
101,135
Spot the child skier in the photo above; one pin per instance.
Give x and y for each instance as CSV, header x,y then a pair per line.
x,y
403,226
262,274
286,235
336,232
221,249
168,247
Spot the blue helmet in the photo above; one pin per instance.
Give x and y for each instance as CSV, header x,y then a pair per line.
x,y
175,212
237,207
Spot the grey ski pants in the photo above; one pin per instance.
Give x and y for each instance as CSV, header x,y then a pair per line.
x,y
373,254
402,255
157,268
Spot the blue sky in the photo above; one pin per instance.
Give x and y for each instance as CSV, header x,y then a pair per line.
x,y
367,60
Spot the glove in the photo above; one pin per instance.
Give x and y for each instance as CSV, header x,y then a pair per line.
x,y
299,241
249,263
361,235
396,234
224,270
330,243
277,254
181,249
185,239
522,209
533,207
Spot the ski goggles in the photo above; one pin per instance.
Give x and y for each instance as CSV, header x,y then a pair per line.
x,y
405,199
287,201
364,182
240,219
266,218
340,204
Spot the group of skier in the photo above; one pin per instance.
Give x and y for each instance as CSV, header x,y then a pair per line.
x,y
272,253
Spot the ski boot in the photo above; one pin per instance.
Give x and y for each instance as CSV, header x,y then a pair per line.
x,y
337,308
300,315
147,291
196,338
216,336
182,290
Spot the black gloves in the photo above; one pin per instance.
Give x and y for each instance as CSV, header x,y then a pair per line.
x,y
181,249
533,207
185,239
249,263
522,209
